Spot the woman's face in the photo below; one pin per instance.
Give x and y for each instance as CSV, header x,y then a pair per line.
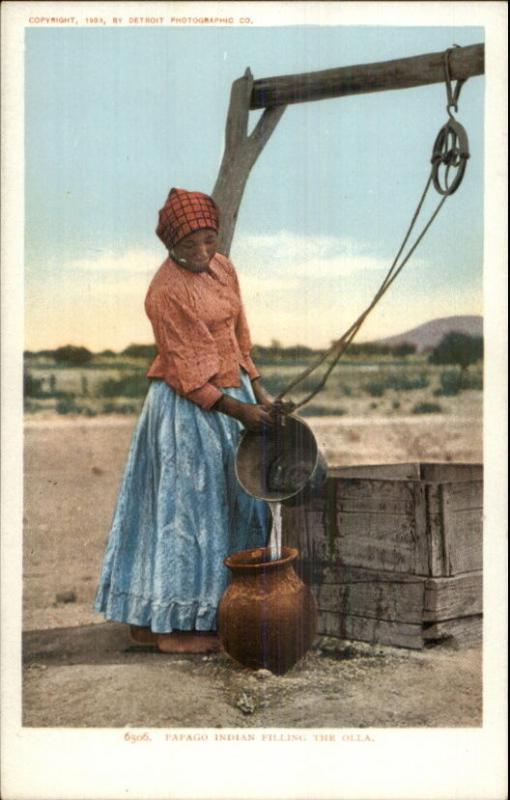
x,y
195,251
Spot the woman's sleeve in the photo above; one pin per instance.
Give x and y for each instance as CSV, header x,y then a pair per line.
x,y
187,351
243,332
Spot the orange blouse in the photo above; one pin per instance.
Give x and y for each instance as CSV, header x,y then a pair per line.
x,y
200,329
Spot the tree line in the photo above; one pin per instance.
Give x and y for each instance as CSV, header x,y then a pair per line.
x,y
454,348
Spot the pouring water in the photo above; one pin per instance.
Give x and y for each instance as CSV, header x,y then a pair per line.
x,y
275,537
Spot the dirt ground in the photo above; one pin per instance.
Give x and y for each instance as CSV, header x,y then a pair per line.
x,y
80,671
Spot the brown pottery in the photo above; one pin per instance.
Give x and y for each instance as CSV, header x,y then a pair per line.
x,y
267,615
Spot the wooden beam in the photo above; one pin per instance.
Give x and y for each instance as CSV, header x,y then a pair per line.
x,y
274,94
403,73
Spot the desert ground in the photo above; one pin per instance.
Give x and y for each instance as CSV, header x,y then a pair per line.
x,y
82,672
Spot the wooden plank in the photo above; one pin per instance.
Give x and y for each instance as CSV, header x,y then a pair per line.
x,y
389,471
465,631
376,595
452,598
384,490
462,496
422,546
463,527
402,73
304,528
435,529
445,473
376,524
346,626
360,522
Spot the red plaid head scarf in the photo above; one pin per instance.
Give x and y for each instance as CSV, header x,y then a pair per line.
x,y
183,213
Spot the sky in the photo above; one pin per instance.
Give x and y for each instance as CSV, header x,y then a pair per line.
x,y
114,117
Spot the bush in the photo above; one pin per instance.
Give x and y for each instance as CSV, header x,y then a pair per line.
x,y
369,349
32,387
140,351
66,406
86,411
75,356
121,408
450,384
316,410
29,407
133,385
427,408
44,353
69,407
472,381
404,349
375,389
403,383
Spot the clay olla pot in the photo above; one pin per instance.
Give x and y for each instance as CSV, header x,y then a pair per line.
x,y
267,615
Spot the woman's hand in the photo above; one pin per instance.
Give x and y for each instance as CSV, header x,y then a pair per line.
x,y
277,408
254,417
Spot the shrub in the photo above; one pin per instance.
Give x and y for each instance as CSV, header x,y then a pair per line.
x,y
140,351
472,381
403,383
32,387
86,411
75,356
404,349
316,410
44,353
30,407
427,408
133,385
369,349
375,389
66,406
120,408
450,384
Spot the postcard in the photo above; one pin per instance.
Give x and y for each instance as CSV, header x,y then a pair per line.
x,y
207,206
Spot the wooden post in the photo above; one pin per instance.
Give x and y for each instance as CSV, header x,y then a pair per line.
x,y
241,152
274,94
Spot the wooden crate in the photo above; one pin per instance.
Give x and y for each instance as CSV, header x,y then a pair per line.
x,y
394,552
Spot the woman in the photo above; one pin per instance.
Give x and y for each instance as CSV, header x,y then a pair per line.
x,y
180,510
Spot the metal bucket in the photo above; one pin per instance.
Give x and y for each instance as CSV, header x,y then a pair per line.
x,y
281,464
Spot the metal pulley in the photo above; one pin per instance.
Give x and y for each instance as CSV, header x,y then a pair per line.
x,y
451,148
450,152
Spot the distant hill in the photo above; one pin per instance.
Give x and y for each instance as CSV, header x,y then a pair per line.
x,y
428,335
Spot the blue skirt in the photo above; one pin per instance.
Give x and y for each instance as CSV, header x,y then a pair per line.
x,y
179,513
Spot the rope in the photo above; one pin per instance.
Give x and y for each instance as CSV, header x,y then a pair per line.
x,y
446,153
